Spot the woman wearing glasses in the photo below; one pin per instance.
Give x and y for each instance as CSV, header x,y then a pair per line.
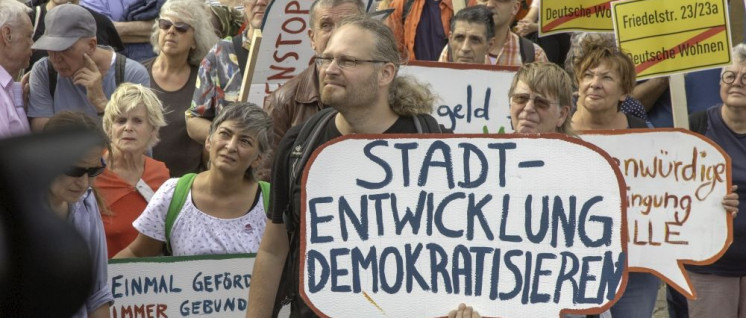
x,y
72,197
721,286
181,37
131,120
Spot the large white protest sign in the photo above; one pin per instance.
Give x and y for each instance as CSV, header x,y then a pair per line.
x,y
676,181
517,226
214,285
286,47
471,98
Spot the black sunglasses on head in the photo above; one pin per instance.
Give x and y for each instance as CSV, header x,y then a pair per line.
x,y
180,27
77,172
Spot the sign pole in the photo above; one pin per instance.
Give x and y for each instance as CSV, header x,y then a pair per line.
x,y
256,41
679,108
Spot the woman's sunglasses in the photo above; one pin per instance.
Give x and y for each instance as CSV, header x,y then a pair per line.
x,y
77,172
180,27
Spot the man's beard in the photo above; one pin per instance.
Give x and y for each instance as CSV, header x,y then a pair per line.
x,y
359,96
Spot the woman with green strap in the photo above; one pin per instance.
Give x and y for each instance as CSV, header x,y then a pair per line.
x,y
218,211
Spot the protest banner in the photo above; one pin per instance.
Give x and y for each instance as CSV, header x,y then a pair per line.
x,y
471,98
557,16
667,37
286,49
676,181
514,225
181,286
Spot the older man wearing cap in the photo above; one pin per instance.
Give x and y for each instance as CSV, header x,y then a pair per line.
x,y
78,75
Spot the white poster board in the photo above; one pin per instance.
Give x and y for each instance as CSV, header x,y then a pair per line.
x,y
212,286
676,181
516,226
471,98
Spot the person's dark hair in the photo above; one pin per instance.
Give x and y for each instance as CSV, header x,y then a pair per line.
x,y
476,14
248,117
406,96
68,120
330,4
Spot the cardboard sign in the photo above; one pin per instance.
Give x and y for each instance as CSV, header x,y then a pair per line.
x,y
676,181
666,37
471,98
509,224
181,286
286,49
556,16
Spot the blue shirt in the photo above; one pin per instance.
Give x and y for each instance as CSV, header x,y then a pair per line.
x,y
86,218
430,38
114,9
733,262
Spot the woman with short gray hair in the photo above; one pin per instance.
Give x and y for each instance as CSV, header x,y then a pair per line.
x,y
221,210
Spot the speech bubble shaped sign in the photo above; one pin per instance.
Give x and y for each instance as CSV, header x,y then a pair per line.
x,y
516,226
676,181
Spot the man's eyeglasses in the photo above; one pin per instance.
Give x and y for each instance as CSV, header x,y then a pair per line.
x,y
77,172
342,61
729,77
539,102
180,27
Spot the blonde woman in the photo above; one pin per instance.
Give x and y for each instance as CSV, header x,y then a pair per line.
x,y
132,119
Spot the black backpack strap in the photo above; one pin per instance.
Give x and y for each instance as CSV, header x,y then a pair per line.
x,y
52,76
119,69
426,124
405,10
241,54
527,50
302,148
698,122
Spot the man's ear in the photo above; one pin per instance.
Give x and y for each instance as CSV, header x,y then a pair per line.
x,y
91,45
387,75
310,36
6,33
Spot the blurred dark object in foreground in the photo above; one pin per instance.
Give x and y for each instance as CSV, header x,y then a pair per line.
x,y
45,267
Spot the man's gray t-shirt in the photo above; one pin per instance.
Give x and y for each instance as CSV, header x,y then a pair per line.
x,y
68,96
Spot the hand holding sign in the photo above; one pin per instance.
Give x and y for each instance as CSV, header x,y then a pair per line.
x,y
484,220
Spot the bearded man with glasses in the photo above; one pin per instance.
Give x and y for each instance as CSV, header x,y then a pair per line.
x,y
358,79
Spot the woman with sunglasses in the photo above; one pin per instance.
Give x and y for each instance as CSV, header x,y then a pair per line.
x,y
222,210
181,37
131,120
73,197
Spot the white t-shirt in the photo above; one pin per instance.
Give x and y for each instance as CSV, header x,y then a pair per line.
x,y
197,233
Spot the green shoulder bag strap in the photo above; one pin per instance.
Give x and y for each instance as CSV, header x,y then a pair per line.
x,y
179,198
177,202
265,194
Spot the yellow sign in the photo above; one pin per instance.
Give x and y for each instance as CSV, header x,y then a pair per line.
x,y
665,37
575,15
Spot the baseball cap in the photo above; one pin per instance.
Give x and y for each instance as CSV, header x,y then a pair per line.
x,y
64,25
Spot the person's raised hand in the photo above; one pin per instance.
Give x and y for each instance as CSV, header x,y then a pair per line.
x,y
90,77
